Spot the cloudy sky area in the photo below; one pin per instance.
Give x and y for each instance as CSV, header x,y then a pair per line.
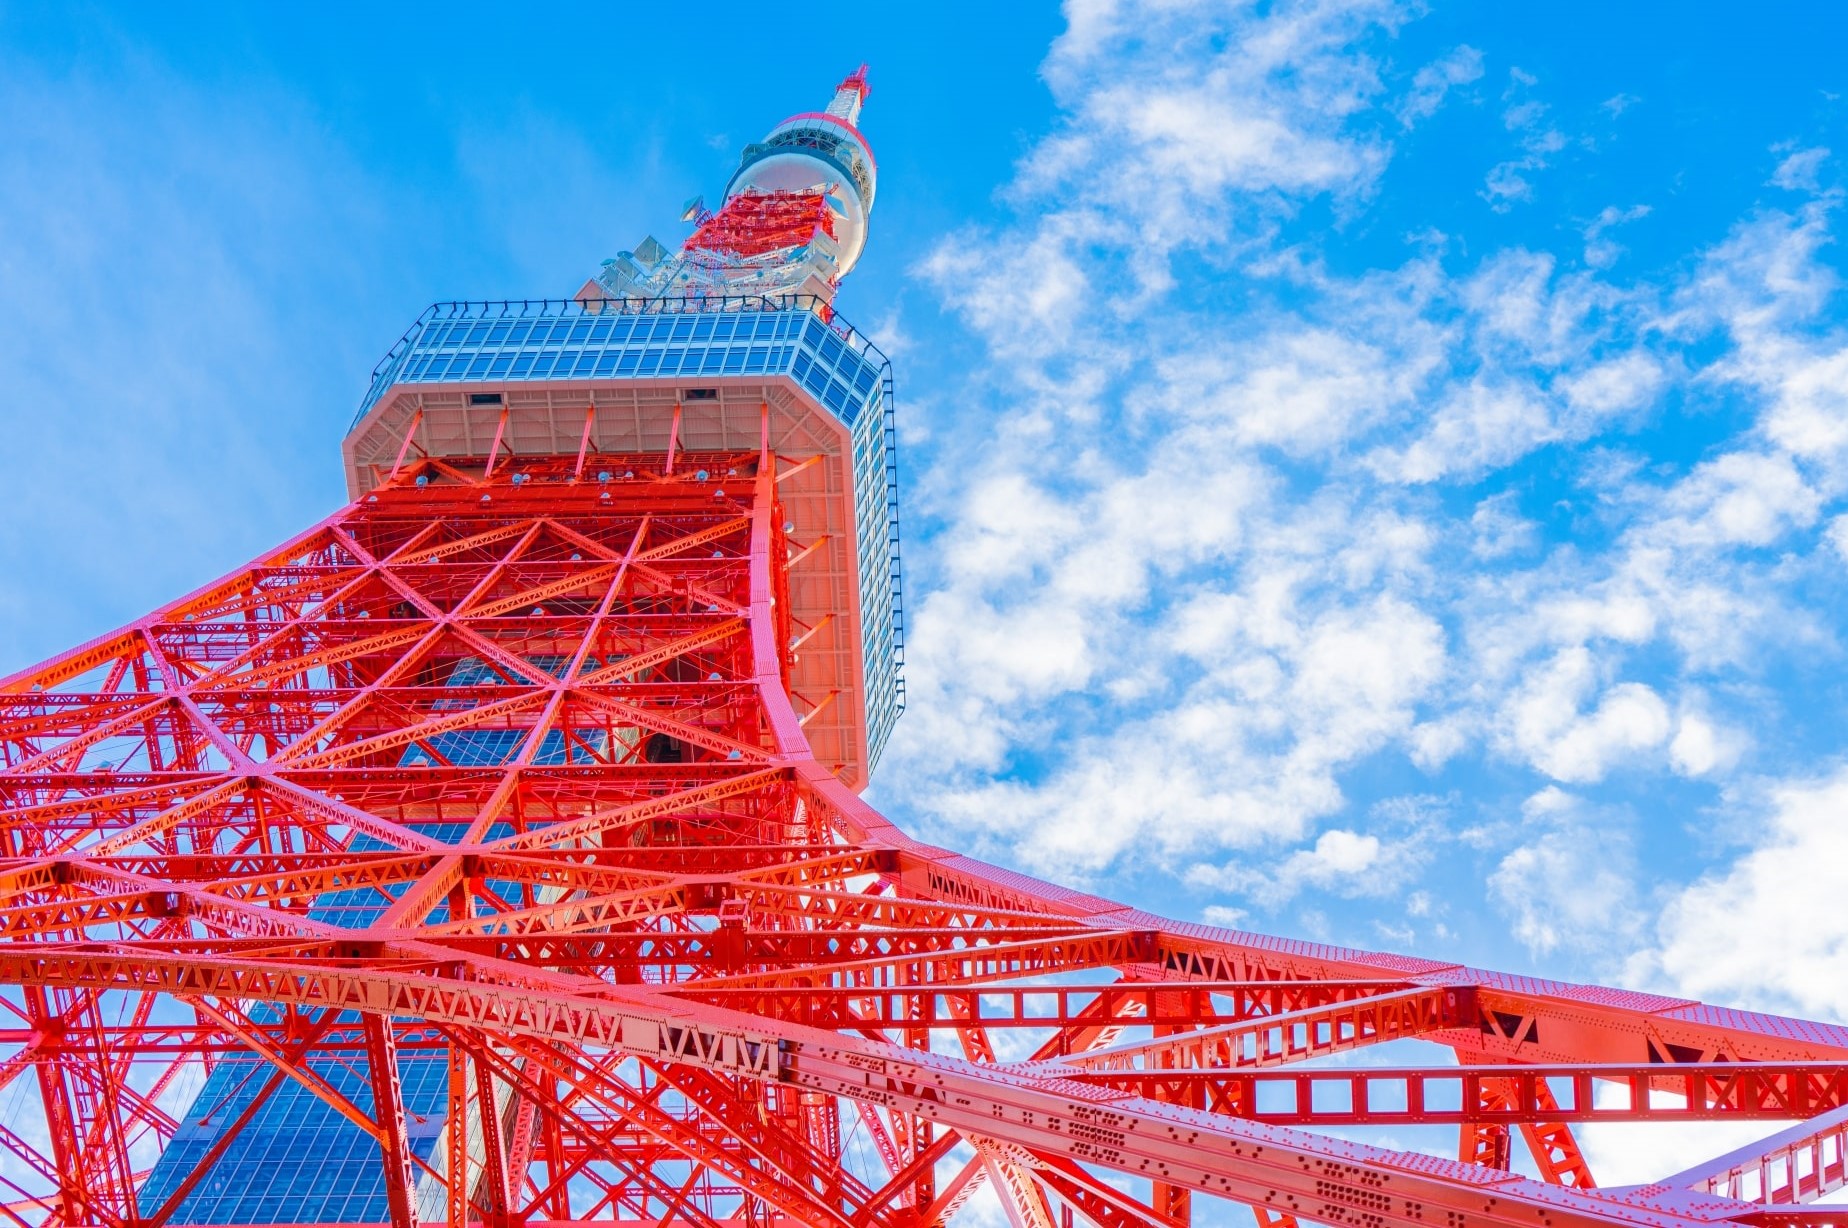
x,y
1368,539
1374,472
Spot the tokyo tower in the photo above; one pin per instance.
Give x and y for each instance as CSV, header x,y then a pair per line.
x,y
491,853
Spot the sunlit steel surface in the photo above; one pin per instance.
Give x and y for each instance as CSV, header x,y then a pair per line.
x,y
492,853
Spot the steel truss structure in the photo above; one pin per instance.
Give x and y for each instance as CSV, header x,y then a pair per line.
x,y
470,860
677,971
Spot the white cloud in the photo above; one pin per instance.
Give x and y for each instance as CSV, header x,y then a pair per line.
x,y
1500,529
1433,83
1606,389
1738,499
1636,1155
1571,887
1702,747
1343,862
1477,426
1228,534
1768,929
1303,390
1171,109
1798,171
1809,413
1222,916
1271,702
1547,723
1600,252
1509,182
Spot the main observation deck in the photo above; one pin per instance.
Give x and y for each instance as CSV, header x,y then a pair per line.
x,y
591,376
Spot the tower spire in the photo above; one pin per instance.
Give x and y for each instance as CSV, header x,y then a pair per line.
x,y
850,96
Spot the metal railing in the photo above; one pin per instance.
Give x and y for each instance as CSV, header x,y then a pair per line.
x,y
553,308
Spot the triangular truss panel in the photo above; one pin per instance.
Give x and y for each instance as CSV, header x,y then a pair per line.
x,y
478,830
489,855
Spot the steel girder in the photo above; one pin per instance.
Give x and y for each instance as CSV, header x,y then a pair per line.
x,y
505,768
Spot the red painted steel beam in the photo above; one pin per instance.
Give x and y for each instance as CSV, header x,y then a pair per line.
x,y
685,948
1771,1091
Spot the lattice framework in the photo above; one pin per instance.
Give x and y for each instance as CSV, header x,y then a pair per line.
x,y
499,768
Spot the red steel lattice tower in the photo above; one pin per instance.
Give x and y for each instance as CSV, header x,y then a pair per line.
x,y
491,853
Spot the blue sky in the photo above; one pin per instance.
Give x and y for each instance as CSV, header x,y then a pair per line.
x,y
1374,472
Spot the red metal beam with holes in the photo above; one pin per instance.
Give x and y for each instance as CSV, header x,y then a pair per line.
x,y
676,963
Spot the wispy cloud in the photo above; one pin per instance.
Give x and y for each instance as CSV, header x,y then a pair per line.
x,y
1433,83
1764,930
1571,882
1227,537
1510,182
161,351
1799,171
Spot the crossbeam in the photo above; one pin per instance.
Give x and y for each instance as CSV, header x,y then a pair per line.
x,y
1374,1096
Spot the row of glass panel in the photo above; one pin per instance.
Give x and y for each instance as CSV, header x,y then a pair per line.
x,y
640,347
